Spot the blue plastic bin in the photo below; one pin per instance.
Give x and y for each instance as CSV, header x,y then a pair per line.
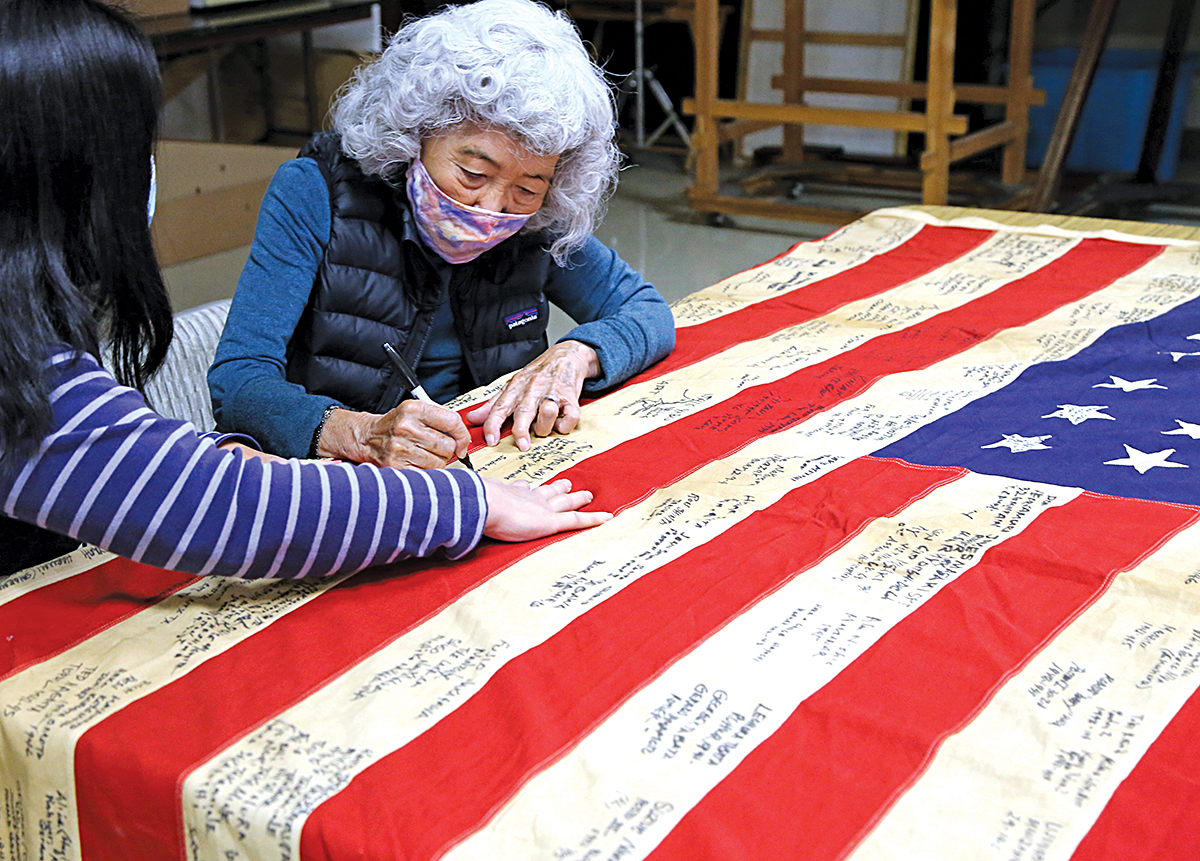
x,y
1113,123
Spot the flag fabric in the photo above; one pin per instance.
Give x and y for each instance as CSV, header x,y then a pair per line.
x,y
906,564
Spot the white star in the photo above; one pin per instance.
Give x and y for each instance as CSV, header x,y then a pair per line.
x,y
1185,428
1077,414
1143,461
1016,443
1175,357
1128,386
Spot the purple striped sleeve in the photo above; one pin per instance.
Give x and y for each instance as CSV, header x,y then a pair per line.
x,y
114,474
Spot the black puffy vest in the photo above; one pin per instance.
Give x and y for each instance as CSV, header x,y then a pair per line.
x,y
377,282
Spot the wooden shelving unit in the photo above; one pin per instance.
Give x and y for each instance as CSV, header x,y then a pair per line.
x,y
718,121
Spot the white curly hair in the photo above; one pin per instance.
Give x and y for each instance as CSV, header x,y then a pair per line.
x,y
510,65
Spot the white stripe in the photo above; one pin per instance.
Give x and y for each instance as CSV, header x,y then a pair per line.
x,y
82,379
406,520
52,494
481,501
230,518
831,255
136,488
293,466
168,502
264,497
202,508
1042,229
432,514
323,518
351,518
71,424
101,479
456,509
90,408
48,573
380,513
90,499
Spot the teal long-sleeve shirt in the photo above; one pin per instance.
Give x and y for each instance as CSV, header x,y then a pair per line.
x,y
619,314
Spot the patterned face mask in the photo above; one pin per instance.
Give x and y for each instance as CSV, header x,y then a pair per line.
x,y
457,232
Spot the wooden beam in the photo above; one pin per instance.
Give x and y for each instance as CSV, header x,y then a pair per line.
x,y
738,129
1021,92
910,121
793,70
980,141
867,40
939,106
705,144
975,94
818,37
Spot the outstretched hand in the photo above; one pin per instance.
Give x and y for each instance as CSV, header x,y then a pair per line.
x,y
541,397
519,512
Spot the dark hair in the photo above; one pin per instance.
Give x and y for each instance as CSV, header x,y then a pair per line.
x,y
79,95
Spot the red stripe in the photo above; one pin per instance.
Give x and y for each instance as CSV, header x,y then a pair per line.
x,y
848,751
1153,816
714,433
447,781
929,248
55,617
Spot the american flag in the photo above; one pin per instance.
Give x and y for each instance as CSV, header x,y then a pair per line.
x,y
906,565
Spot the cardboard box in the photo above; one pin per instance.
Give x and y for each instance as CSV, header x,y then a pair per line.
x,y
332,69
209,193
241,94
208,196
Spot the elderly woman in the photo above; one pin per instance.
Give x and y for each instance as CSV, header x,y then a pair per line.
x,y
455,199
82,456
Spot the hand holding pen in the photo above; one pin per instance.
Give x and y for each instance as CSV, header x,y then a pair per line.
x,y
414,386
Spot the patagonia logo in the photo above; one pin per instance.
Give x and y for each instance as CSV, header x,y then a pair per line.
x,y
521,318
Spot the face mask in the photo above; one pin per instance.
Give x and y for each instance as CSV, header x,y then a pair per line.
x,y
457,232
153,193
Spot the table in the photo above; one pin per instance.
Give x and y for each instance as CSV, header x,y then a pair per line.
x,y
180,34
906,565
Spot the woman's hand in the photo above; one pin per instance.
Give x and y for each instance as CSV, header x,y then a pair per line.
x,y
518,512
542,397
415,434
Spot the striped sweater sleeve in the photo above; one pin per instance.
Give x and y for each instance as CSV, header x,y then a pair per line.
x,y
115,474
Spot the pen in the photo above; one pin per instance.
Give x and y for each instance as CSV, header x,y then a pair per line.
x,y
414,386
